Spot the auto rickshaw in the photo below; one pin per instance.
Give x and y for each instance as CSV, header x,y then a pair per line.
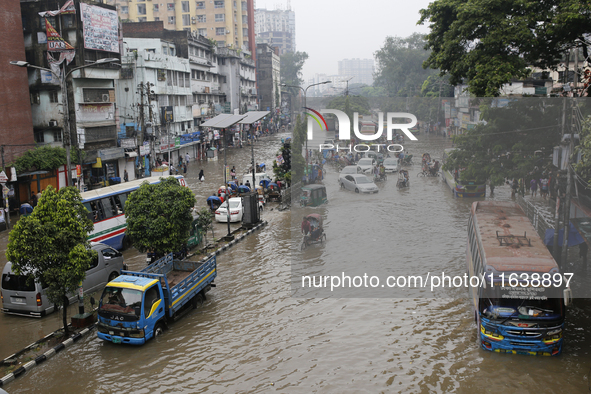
x,y
313,195
273,192
316,234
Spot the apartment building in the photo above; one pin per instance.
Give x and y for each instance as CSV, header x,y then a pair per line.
x,y
361,69
275,28
268,77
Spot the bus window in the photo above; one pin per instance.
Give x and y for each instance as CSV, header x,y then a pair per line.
x,y
94,213
107,206
118,205
90,210
120,201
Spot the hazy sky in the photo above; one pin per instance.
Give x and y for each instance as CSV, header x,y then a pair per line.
x,y
333,30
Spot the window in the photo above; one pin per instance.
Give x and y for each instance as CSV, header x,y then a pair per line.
x,y
186,19
152,296
156,7
220,31
142,19
124,9
185,6
187,80
169,77
244,6
219,17
218,4
120,202
39,136
109,253
235,5
170,6
202,32
57,136
53,96
50,19
221,43
171,20
201,18
244,19
35,98
141,9
156,19
200,5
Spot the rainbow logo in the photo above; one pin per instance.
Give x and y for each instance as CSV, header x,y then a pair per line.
x,y
316,119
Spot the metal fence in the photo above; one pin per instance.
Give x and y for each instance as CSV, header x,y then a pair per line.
x,y
540,219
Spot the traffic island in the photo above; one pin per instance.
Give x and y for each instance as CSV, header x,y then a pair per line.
x,y
37,353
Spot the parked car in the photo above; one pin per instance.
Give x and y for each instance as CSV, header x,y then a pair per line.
x,y
391,164
236,211
22,298
350,170
366,164
358,183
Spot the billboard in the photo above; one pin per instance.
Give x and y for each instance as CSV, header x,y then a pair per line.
x,y
100,28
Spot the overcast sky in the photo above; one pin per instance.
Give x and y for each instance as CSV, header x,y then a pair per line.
x,y
333,30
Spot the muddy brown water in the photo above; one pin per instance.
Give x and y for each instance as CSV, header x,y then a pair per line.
x,y
252,335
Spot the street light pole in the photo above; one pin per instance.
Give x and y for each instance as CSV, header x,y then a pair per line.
x,y
63,87
305,91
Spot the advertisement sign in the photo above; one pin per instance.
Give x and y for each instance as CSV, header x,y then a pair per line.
x,y
100,28
128,143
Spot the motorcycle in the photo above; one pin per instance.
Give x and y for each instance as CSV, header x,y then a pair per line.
x,y
407,160
380,178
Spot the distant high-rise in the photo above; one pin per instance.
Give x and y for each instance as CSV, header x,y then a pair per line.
x,y
361,69
276,28
225,21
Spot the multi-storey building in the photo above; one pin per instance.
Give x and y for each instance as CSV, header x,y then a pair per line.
x,y
237,75
92,33
268,77
276,28
224,21
361,69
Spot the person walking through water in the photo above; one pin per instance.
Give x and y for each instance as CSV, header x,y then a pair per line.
x,y
533,185
201,176
187,158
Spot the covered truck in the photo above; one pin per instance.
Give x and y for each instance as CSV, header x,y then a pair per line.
x,y
137,306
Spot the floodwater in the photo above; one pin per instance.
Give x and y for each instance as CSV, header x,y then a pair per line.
x,y
259,332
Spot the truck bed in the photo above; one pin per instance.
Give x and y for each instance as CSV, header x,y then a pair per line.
x,y
176,276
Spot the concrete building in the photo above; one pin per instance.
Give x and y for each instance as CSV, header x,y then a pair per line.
x,y
224,21
276,28
237,75
268,77
361,69
90,91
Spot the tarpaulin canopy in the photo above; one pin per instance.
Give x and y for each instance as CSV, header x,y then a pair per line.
x,y
574,238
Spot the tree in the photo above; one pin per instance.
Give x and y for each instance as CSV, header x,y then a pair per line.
x,y
357,104
506,146
159,216
399,65
45,158
291,69
51,245
298,161
204,221
490,43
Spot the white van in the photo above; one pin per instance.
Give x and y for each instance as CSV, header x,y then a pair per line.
x,y
259,176
21,298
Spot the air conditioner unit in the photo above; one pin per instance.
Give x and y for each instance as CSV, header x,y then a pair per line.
x,y
53,123
194,22
106,98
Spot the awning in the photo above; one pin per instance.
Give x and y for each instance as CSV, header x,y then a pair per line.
x,y
253,116
131,154
574,238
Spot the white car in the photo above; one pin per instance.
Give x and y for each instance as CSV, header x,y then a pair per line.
x,y
236,211
391,164
358,183
366,164
350,170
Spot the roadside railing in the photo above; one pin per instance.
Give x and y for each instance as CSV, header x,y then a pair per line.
x,y
538,218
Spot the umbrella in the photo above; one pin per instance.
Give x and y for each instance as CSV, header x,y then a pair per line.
x,y
243,189
273,184
574,238
213,200
265,183
233,185
262,165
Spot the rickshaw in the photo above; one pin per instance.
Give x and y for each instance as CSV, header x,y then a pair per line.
x,y
261,194
313,196
316,234
265,183
213,202
403,179
273,192
242,189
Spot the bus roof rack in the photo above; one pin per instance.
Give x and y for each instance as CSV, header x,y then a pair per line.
x,y
514,240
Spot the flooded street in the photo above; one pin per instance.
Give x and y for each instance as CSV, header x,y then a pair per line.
x,y
260,331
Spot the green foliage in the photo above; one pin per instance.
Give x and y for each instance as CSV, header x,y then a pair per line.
x,y
506,146
291,69
399,65
297,146
51,245
159,216
490,43
42,158
204,221
357,104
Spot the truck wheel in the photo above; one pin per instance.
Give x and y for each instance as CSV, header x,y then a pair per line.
x,y
113,276
198,301
158,330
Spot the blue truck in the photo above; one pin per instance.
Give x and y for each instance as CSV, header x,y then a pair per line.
x,y
137,306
